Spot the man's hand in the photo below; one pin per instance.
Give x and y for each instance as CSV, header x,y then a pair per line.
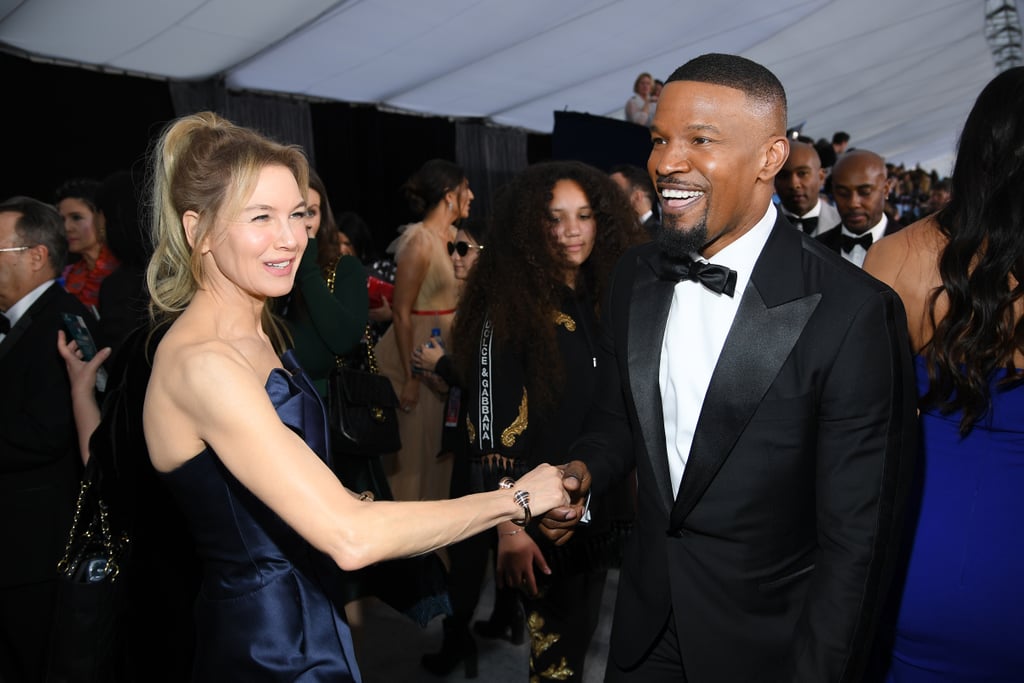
x,y
558,525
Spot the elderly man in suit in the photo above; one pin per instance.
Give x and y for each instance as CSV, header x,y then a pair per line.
x,y
39,461
763,390
860,184
798,185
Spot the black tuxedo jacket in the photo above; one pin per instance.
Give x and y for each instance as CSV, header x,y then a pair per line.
x,y
833,239
39,455
773,555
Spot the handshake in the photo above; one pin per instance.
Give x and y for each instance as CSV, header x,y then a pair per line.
x,y
558,524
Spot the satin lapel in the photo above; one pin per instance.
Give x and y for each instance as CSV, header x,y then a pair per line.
x,y
746,369
648,313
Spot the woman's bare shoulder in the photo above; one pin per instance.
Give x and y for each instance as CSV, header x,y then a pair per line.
x,y
908,258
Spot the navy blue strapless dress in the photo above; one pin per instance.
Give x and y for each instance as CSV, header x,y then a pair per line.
x,y
961,616
268,609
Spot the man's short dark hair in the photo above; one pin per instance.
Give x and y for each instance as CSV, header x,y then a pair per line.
x,y
733,71
39,223
839,137
638,180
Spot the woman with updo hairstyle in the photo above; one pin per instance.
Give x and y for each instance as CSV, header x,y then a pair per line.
x,y
238,432
424,300
525,341
76,202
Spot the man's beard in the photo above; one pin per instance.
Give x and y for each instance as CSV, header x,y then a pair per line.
x,y
678,242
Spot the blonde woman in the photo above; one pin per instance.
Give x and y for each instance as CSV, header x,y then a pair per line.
x,y
238,432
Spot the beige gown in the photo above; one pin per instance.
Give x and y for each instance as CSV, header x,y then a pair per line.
x,y
415,472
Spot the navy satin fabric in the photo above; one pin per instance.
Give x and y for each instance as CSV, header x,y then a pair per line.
x,y
267,609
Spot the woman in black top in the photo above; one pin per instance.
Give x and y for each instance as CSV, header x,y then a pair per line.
x,y
525,341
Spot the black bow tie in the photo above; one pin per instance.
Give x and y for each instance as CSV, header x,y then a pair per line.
x,y
808,225
5,324
718,279
849,242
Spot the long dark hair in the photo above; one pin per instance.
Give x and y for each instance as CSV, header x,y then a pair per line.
x,y
517,283
982,267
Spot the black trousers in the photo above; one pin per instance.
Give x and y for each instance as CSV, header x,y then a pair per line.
x,y
663,663
561,622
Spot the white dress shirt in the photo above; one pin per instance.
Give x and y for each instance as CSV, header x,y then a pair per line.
x,y
698,323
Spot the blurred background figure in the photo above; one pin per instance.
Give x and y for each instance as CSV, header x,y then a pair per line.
x,y
798,186
643,199
640,106
91,260
425,295
959,274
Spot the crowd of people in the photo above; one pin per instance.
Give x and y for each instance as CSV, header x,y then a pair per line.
x,y
772,381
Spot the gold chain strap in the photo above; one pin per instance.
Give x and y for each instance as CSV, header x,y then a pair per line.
x,y
106,537
330,273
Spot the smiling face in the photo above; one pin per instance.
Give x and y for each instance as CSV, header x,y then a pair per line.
x,y
573,224
715,152
257,250
799,181
80,225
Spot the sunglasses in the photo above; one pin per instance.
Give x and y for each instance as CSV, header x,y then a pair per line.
x,y
462,247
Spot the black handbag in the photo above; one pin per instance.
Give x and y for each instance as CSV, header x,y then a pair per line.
x,y
363,410
82,638
362,405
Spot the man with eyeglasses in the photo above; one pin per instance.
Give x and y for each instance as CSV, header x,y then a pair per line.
x,y
39,461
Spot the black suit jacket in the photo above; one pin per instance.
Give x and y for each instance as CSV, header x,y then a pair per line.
x,y
833,238
39,455
773,555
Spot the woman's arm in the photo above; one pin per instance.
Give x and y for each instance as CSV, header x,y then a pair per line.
x,y
186,409
82,376
413,263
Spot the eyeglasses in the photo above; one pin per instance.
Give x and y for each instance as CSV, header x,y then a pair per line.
x,y
462,247
27,247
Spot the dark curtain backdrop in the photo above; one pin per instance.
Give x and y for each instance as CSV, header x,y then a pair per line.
x,y
283,119
63,122
491,156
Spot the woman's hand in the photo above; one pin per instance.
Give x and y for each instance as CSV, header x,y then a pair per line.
x,y
81,374
517,556
544,484
410,395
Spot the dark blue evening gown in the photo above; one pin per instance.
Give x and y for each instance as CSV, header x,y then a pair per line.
x,y
268,609
961,616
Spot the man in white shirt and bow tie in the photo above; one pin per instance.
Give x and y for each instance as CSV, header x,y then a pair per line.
x,y
798,186
764,395
860,184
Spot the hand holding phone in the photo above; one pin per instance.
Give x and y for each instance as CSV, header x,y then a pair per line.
x,y
79,331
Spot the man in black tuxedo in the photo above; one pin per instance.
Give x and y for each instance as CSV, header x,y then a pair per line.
x,y
642,198
763,390
860,184
39,455
798,185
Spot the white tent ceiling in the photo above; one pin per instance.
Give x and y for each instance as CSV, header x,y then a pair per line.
x,y
898,75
